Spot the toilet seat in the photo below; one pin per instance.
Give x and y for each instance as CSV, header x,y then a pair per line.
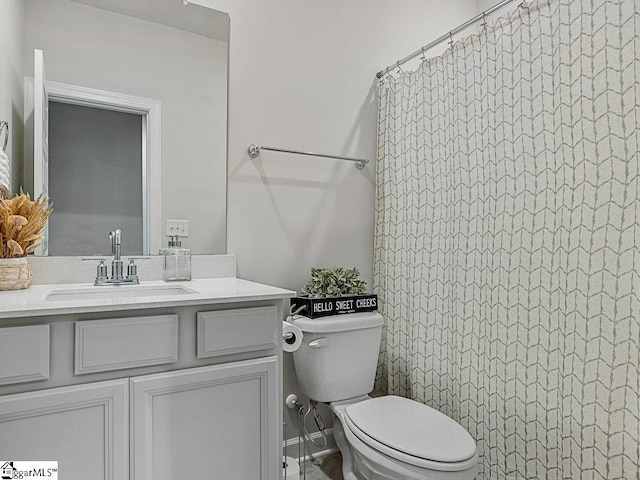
x,y
412,433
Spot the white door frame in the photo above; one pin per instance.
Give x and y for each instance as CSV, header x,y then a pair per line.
x,y
152,143
40,100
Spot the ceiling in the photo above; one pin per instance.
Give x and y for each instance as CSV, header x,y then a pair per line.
x,y
172,13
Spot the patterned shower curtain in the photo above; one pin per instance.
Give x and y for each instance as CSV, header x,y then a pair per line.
x,y
507,248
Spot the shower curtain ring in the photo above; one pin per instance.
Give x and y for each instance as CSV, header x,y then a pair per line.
x,y
484,20
525,5
399,67
422,56
451,39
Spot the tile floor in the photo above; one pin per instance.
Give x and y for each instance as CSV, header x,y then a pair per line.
x,y
326,468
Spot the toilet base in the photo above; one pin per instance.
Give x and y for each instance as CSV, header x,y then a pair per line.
x,y
361,462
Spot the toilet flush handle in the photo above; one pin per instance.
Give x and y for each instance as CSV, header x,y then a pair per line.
x,y
321,342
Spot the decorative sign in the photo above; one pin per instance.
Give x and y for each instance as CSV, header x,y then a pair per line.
x,y
323,307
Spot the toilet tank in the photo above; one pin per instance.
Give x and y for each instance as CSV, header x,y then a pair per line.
x,y
338,356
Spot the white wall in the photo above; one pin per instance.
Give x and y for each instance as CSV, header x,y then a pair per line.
x,y
11,89
484,5
303,77
100,49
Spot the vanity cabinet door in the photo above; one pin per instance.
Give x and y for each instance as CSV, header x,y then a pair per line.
x,y
84,428
210,422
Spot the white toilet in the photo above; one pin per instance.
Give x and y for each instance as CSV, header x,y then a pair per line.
x,y
383,438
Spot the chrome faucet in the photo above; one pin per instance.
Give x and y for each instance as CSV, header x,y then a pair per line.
x,y
117,270
117,266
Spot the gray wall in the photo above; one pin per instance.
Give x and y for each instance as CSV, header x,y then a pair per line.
x,y
95,159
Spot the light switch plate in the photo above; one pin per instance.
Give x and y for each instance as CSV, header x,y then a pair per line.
x,y
178,227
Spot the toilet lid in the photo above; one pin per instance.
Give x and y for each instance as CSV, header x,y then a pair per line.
x,y
411,428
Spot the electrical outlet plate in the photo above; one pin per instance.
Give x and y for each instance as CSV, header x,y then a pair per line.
x,y
178,227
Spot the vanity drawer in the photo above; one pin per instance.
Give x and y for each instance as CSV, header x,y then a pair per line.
x,y
225,332
116,344
24,354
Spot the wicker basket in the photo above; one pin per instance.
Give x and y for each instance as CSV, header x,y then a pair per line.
x,y
15,273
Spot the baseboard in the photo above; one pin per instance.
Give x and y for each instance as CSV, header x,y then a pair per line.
x,y
290,446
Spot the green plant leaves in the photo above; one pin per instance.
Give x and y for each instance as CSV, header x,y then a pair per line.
x,y
334,282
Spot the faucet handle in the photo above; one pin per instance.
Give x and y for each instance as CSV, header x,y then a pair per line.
x,y
132,268
95,259
101,273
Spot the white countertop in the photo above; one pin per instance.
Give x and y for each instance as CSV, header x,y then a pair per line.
x,y
31,301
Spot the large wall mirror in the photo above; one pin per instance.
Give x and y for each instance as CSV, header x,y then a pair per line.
x,y
135,129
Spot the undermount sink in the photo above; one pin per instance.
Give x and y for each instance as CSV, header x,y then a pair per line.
x,y
115,292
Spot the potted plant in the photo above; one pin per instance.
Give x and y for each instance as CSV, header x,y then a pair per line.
x,y
21,222
332,291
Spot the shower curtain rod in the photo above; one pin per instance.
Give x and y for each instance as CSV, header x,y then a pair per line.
x,y
447,36
254,150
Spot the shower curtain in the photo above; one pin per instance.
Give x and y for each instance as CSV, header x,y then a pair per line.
x,y
507,246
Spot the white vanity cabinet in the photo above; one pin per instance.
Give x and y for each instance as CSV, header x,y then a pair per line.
x,y
85,428
191,391
191,423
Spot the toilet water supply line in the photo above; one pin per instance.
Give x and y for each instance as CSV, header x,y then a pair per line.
x,y
319,423
303,431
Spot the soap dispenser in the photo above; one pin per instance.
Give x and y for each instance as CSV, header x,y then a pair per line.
x,y
177,261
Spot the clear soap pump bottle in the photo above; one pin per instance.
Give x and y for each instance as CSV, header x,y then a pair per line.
x,y
177,261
